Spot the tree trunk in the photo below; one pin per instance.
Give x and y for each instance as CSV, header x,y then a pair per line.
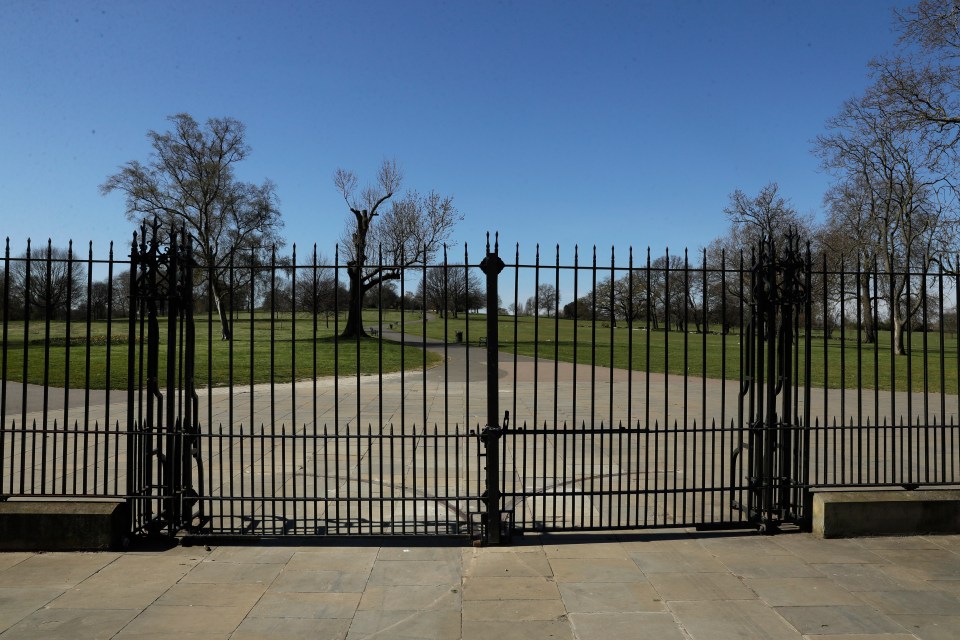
x,y
226,331
897,328
866,310
354,327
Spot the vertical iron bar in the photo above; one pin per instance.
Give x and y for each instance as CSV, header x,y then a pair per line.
x,y
3,371
66,364
556,380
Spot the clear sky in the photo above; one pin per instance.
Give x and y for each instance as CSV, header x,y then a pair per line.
x,y
553,122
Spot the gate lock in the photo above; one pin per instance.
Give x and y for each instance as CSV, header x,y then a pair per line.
x,y
491,434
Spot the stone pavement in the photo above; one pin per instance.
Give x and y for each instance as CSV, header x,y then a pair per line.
x,y
660,585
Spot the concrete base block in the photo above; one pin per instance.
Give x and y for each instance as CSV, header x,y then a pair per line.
x,y
848,514
48,525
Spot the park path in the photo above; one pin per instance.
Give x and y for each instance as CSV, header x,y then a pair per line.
x,y
533,389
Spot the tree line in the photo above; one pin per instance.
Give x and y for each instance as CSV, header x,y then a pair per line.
x,y
890,214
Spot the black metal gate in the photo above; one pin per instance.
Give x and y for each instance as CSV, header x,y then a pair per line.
x,y
489,480
162,422
774,417
670,391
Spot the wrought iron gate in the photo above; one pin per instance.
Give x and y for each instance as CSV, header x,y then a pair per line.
x,y
671,391
774,417
162,422
489,480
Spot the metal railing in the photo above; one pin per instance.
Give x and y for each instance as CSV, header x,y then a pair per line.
x,y
627,384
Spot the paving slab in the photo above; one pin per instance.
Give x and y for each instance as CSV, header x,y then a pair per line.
x,y
626,626
10,558
506,565
576,548
233,573
306,605
832,552
16,603
934,603
350,560
212,595
766,566
699,586
860,577
392,573
805,592
732,620
411,597
513,610
838,619
255,554
677,561
406,625
92,594
930,627
182,620
291,629
862,636
678,584
517,630
418,554
610,597
320,582
620,569
70,624
898,542
928,564
510,589
64,570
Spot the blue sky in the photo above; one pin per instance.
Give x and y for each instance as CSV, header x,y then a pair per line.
x,y
553,122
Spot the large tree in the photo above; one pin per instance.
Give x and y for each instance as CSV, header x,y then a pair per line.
x,y
766,215
189,183
917,87
919,84
893,203
384,235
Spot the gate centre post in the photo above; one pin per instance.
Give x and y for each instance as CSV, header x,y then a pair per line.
x,y
492,265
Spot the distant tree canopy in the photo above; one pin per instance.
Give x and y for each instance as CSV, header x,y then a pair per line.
x,y
451,289
47,282
189,183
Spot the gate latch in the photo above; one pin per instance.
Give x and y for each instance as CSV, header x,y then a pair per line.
x,y
491,434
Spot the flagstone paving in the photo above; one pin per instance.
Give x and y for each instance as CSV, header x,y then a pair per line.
x,y
664,585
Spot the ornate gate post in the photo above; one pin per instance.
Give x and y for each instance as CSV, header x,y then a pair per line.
x,y
492,265
162,427
777,443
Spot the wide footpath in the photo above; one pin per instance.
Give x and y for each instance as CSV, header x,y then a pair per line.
x,y
658,585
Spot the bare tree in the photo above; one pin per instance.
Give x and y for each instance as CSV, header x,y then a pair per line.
x,y
121,293
410,232
917,88
50,282
766,215
548,298
451,289
893,201
189,183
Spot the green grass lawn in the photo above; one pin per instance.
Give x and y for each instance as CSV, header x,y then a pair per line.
x,y
293,342
313,350
677,352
